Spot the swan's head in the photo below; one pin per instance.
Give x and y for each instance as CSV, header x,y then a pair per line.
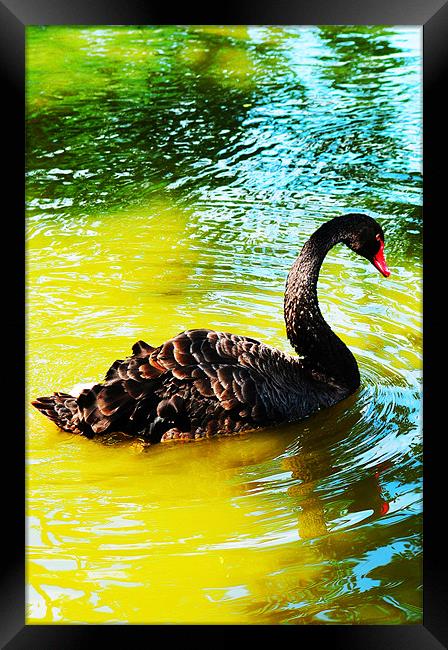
x,y
366,237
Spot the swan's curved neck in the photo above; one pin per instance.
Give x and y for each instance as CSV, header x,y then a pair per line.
x,y
310,335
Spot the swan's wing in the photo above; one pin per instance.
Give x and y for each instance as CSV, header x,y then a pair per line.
x,y
188,348
139,349
189,376
203,346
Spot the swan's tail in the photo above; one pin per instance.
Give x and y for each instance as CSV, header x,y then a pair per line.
x,y
62,409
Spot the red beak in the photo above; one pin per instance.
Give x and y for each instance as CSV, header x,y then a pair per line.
x,y
379,261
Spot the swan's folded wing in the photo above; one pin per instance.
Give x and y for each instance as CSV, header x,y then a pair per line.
x,y
188,348
202,346
214,363
239,391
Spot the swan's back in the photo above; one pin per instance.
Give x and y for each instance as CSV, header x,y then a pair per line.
x,y
199,383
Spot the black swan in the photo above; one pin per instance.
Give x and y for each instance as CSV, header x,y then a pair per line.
x,y
201,383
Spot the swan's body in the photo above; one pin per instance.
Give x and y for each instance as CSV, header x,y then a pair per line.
x,y
201,383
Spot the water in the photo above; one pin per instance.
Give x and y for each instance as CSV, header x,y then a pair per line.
x,y
173,174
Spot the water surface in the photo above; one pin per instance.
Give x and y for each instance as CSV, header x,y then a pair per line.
x,y
173,174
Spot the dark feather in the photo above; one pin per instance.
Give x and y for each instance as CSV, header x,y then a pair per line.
x,y
142,349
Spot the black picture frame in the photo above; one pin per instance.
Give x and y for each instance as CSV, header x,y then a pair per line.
x,y
15,15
